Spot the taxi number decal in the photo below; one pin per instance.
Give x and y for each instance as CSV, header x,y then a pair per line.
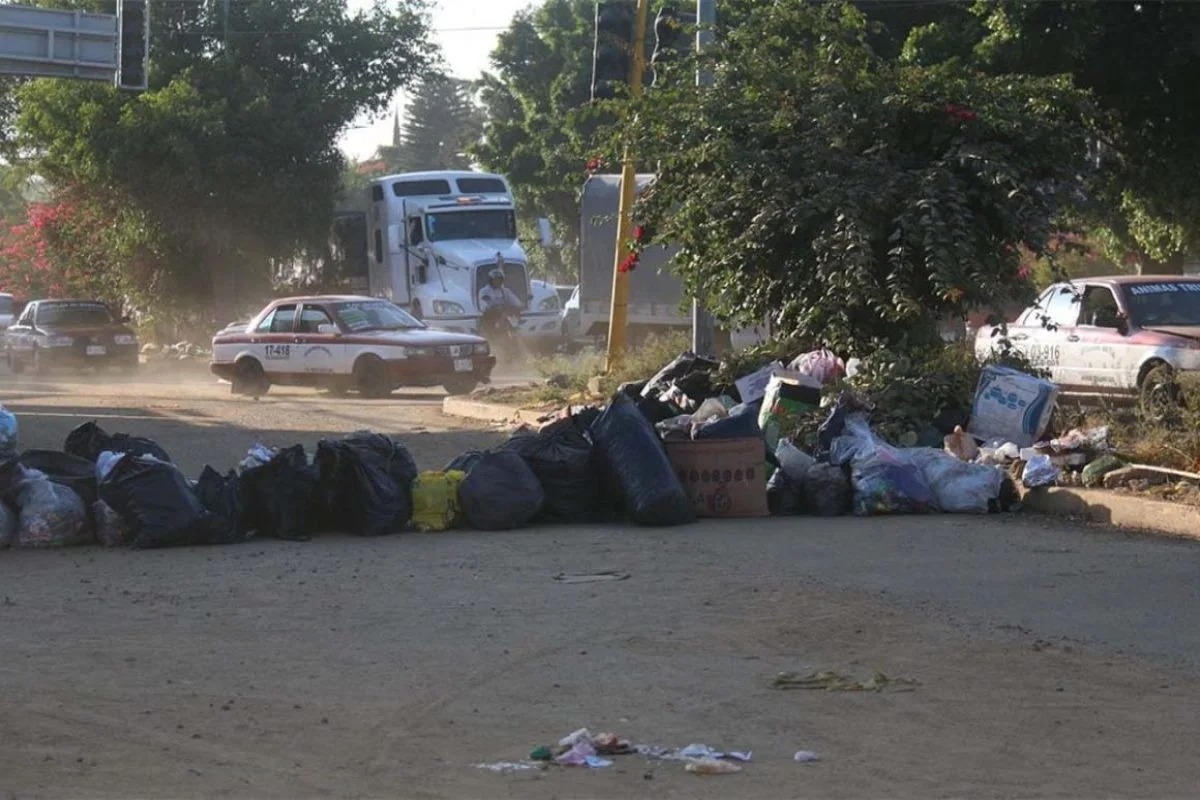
x,y
279,352
1042,354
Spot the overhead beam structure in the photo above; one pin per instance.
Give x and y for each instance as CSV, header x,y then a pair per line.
x,y
42,42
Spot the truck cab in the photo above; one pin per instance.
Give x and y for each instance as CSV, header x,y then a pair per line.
x,y
433,237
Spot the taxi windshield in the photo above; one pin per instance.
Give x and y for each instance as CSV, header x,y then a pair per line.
x,y
1167,303
378,315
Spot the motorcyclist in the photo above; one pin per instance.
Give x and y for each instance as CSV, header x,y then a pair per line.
x,y
496,296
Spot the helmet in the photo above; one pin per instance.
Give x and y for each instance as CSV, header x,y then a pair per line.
x,y
496,275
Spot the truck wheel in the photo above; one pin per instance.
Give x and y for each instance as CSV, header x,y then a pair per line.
x,y
371,378
250,379
461,386
1159,393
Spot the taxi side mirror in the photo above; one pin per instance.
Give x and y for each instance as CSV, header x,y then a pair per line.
x,y
328,330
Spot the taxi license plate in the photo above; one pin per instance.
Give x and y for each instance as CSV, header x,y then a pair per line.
x,y
97,350
463,365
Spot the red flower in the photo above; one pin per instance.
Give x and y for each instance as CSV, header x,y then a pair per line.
x,y
595,165
960,114
639,233
629,264
1024,272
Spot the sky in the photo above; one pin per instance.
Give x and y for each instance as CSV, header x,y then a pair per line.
x,y
466,31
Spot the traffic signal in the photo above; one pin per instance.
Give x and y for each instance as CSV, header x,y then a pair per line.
x,y
674,35
615,20
133,54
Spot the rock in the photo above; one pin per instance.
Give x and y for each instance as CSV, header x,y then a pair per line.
x,y
1125,475
596,386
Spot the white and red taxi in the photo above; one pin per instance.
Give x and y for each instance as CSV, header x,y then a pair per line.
x,y
344,343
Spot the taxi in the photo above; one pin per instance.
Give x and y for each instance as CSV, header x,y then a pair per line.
x,y
1120,336
344,343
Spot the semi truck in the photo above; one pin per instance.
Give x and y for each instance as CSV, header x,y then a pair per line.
x,y
432,239
656,295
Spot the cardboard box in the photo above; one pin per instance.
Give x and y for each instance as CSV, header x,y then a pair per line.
x,y
724,478
1012,406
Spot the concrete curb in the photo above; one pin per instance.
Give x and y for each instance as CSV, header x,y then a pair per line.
x,y
1159,517
467,408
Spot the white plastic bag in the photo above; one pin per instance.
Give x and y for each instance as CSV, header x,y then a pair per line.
x,y
959,487
1039,471
49,515
794,461
105,463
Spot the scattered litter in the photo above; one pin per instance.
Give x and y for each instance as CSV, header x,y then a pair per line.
x,y
805,757
1039,471
712,766
1012,406
259,455
506,767
596,762
595,577
830,681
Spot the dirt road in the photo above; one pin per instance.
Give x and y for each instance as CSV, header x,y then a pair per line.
x,y
1049,660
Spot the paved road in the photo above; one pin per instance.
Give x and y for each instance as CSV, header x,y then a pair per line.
x,y
1051,659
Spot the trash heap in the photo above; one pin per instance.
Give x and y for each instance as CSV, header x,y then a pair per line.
x,y
682,445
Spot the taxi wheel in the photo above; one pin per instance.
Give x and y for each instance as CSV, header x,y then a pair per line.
x,y
251,378
1159,393
371,378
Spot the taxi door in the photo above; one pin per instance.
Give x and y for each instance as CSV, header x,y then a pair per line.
x,y
316,350
272,343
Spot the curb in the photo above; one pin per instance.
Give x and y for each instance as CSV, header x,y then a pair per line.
x,y
1130,513
1134,514
467,408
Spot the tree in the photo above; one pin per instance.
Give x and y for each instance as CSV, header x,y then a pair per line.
x,y
849,197
440,125
231,156
1137,59
539,132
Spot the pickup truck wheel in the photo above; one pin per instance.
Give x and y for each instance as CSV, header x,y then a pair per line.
x,y
371,378
250,379
1159,392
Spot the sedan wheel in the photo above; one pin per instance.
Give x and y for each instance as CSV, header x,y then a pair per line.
x,y
1159,393
372,378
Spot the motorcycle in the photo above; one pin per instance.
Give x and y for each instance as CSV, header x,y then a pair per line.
x,y
499,325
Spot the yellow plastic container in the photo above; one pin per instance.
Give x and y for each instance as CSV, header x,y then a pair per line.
x,y
435,500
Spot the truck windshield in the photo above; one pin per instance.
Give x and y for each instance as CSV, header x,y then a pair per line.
x,y
379,315
480,224
73,315
1164,303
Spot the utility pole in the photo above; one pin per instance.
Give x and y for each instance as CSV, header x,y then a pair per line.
x,y
703,326
619,310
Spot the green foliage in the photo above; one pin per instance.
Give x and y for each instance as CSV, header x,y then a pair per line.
x,y
231,157
1138,61
539,131
855,201
440,124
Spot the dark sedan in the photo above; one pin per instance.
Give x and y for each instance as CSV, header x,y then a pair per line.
x,y
69,333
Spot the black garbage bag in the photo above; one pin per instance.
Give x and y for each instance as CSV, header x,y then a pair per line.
x,y
368,482
89,440
501,493
656,411
827,490
160,507
633,459
785,497
465,462
684,364
835,423
561,458
632,388
225,496
283,497
77,474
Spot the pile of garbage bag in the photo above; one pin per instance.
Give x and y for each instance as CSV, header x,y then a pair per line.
x,y
681,445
